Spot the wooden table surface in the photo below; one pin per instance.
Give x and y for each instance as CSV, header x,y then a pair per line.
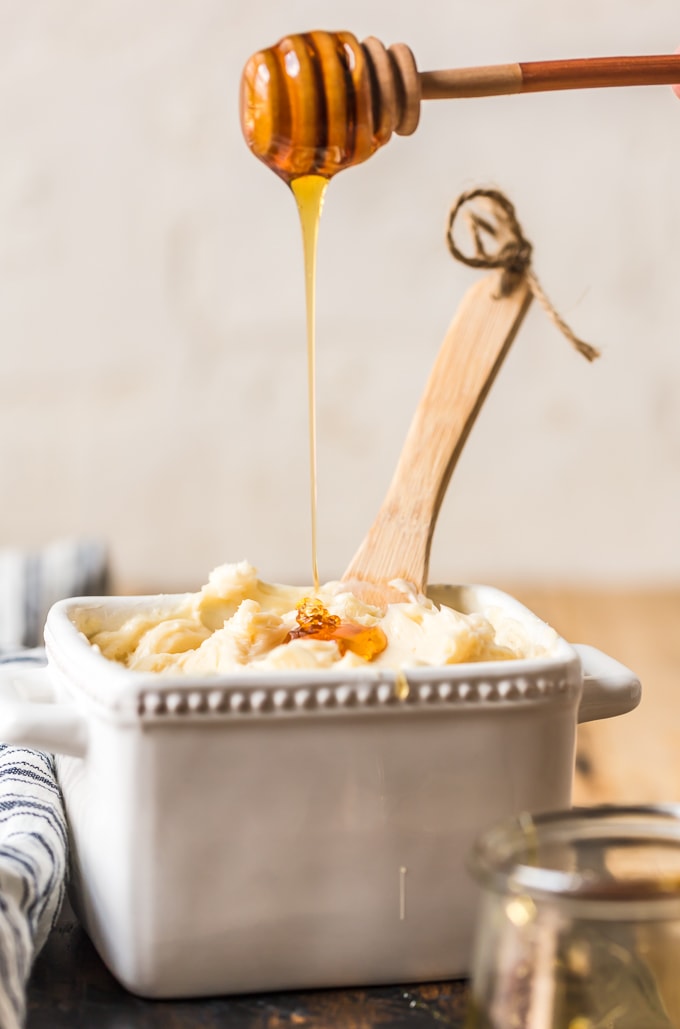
x,y
631,759
70,988
634,758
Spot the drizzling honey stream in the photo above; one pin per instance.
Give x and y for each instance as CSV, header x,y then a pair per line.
x,y
309,192
307,112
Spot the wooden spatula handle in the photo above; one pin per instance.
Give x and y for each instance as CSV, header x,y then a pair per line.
x,y
397,545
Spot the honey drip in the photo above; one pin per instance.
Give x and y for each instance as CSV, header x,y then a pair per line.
x,y
309,192
401,686
308,112
315,622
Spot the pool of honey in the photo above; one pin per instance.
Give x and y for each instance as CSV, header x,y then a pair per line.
x,y
315,622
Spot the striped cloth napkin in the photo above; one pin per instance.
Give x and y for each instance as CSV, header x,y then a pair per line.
x,y
33,837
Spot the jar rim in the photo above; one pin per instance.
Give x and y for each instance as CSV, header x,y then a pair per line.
x,y
505,858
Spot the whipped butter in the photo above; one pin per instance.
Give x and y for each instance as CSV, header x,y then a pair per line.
x,y
238,621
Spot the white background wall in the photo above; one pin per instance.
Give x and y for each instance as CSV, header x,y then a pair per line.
x,y
152,384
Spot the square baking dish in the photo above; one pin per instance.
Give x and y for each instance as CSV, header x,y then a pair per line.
x,y
250,832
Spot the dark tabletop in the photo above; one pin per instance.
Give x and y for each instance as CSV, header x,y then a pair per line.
x,y
70,988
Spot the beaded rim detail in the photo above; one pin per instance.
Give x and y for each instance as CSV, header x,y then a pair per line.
x,y
278,700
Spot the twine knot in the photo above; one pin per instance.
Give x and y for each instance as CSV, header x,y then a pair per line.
x,y
512,252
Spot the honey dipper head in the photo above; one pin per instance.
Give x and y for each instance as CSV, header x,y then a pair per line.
x,y
319,102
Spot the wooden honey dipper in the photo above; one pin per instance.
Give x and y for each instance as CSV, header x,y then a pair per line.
x,y
318,102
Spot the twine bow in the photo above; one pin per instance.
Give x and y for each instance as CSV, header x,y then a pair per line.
x,y
512,252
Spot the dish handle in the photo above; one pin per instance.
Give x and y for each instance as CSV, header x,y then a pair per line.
x,y
29,715
609,688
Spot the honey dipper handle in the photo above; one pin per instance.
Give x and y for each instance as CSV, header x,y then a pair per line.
x,y
397,545
538,76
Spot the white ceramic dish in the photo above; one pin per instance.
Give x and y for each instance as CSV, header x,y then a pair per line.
x,y
293,830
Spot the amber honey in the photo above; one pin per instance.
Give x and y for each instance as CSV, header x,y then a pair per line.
x,y
307,105
308,112
402,689
315,622
309,192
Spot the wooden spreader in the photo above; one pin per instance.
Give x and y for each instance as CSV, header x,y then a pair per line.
x,y
397,546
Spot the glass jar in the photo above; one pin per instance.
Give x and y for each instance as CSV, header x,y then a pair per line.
x,y
579,924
